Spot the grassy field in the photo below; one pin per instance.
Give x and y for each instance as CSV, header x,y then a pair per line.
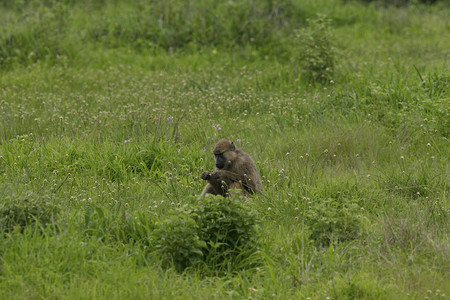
x,y
109,111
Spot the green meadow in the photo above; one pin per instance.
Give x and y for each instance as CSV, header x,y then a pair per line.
x,y
109,111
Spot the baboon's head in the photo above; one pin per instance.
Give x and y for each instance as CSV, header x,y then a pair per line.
x,y
225,154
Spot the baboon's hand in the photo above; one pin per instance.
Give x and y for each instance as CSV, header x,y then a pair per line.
x,y
206,175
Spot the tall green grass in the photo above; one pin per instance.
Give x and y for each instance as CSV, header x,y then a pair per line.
x,y
109,111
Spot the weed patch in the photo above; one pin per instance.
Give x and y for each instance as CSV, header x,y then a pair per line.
x,y
30,209
335,220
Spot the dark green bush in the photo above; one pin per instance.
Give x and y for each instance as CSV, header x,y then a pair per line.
x,y
27,210
226,226
178,243
215,231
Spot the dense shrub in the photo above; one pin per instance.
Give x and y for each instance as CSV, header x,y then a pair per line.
x,y
226,226
214,231
178,242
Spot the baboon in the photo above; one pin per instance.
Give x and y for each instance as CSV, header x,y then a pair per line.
x,y
234,169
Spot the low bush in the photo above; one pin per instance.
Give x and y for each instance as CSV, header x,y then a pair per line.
x,y
227,227
178,243
219,232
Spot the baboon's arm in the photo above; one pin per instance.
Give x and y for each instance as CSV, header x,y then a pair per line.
x,y
221,181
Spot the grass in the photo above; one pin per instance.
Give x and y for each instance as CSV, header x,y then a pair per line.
x,y
108,120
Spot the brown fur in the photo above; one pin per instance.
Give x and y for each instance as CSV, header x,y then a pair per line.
x,y
238,171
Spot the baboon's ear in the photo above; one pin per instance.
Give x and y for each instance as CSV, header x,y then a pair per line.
x,y
232,146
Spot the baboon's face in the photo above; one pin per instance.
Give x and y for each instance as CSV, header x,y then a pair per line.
x,y
224,153
221,161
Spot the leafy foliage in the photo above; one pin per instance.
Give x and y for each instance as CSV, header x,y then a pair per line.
x,y
178,243
227,227
334,220
316,55
215,231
